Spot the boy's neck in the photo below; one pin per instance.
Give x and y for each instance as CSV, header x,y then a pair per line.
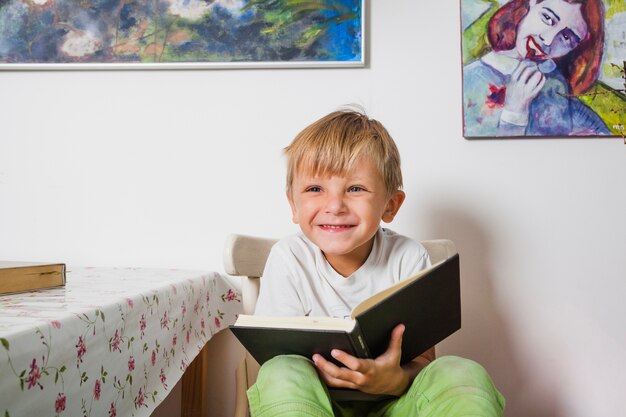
x,y
347,264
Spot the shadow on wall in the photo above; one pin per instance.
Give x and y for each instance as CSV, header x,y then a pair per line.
x,y
484,336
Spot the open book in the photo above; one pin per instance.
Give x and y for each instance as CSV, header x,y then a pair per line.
x,y
428,304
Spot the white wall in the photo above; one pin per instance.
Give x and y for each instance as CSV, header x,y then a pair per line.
x,y
156,168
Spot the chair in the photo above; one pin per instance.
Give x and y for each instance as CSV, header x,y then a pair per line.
x,y
245,256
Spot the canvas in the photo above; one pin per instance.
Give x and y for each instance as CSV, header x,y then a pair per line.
x,y
79,34
543,68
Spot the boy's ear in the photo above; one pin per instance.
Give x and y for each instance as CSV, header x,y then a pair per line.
x,y
294,209
393,205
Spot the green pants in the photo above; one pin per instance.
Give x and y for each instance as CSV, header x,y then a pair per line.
x,y
449,387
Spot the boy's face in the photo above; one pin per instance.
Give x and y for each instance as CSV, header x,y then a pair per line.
x,y
341,214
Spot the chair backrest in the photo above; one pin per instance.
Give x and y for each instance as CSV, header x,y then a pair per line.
x,y
246,256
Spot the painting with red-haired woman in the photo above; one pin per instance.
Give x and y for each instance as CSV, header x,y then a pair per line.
x,y
540,70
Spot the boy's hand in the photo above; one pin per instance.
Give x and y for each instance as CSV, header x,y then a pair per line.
x,y
382,375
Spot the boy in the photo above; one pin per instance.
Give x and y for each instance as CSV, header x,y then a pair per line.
x,y
343,178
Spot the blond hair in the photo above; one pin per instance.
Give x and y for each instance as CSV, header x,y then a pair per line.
x,y
333,144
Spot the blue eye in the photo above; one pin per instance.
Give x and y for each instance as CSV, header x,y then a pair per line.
x,y
314,189
355,188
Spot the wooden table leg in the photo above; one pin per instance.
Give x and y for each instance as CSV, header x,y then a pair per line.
x,y
194,388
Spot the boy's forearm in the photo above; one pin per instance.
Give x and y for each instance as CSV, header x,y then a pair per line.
x,y
411,369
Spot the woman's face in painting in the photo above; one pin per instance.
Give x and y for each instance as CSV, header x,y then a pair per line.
x,y
551,29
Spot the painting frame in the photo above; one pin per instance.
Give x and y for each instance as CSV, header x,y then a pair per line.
x,y
357,61
563,106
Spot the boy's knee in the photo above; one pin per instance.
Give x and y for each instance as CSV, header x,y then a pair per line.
x,y
289,385
287,363
458,371
288,369
451,379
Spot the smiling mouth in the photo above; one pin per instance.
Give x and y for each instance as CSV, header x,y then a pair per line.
x,y
336,227
533,50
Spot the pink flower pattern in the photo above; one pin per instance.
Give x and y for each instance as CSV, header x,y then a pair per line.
x,y
115,343
163,378
59,403
81,349
231,296
34,375
96,390
142,325
173,335
165,322
140,400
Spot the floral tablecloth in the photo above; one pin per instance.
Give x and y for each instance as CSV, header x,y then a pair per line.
x,y
111,343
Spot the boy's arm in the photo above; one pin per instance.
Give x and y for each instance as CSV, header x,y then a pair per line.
x,y
278,295
382,375
416,365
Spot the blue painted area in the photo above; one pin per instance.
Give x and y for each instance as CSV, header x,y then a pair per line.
x,y
114,31
471,10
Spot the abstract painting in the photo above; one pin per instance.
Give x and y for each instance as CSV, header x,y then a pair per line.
x,y
77,34
543,68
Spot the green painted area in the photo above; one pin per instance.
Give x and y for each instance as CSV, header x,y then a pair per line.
x,y
608,103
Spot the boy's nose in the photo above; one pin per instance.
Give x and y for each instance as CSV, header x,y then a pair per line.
x,y
335,204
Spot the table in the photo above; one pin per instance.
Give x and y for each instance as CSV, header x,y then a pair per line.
x,y
111,343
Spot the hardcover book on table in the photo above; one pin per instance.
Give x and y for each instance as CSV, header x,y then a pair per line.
x,y
428,304
29,276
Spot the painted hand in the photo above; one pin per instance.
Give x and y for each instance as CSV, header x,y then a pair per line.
x,y
525,83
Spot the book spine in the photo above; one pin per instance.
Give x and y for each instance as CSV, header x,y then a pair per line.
x,y
359,343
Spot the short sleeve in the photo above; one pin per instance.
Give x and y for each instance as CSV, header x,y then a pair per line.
x,y
420,258
402,256
279,295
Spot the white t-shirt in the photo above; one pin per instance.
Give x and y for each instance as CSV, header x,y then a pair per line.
x,y
298,281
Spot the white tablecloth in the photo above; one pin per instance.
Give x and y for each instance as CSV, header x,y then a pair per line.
x,y
111,343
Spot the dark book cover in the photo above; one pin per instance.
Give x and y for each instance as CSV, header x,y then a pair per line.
x,y
429,308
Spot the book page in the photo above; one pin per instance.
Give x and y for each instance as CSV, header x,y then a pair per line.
x,y
290,322
15,264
